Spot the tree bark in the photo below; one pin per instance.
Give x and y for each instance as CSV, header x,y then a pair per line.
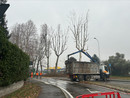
x,y
47,64
37,65
56,64
41,66
80,56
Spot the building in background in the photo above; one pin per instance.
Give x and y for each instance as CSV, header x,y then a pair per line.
x,y
52,70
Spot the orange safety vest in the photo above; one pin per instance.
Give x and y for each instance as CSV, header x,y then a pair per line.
x,y
31,73
40,74
37,74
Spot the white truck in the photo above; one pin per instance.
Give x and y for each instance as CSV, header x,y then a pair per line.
x,y
79,71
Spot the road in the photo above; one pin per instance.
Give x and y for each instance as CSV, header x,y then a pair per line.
x,y
75,88
120,83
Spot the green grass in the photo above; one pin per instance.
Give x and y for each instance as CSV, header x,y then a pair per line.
x,y
29,90
120,77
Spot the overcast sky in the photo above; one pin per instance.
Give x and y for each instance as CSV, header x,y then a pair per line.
x,y
109,22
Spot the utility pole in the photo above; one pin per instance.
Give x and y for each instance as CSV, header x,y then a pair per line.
x,y
98,48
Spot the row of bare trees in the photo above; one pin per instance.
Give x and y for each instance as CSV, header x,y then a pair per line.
x,y
25,37
39,47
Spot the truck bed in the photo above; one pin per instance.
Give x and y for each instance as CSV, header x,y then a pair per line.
x,y
82,68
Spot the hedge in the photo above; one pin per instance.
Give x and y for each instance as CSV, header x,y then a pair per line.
x,y
14,63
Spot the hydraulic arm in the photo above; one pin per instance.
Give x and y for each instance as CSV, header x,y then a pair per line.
x,y
86,53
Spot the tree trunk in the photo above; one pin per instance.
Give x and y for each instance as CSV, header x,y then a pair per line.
x,y
80,56
56,64
34,62
41,66
37,65
47,64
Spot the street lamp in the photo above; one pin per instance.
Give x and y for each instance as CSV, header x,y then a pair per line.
x,y
98,48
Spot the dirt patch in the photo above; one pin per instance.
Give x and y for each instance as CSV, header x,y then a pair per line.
x,y
29,90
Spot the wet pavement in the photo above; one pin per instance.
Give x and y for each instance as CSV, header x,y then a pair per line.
x,y
120,83
49,91
76,89
52,88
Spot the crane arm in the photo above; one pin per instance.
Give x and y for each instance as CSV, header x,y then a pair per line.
x,y
86,53
73,53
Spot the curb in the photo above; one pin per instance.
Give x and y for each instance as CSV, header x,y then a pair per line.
x,y
66,93
112,87
11,88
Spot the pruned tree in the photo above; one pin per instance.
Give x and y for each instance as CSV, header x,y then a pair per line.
x,y
58,44
96,58
45,31
79,28
40,52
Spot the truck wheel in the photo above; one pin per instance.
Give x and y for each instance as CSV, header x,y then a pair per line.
x,y
80,77
88,77
96,79
85,78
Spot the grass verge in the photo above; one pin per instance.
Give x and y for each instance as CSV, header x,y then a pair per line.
x,y
106,85
29,90
120,77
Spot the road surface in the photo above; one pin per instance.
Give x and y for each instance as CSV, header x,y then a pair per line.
x,y
76,88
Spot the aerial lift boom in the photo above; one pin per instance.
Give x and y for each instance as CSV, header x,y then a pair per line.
x,y
86,53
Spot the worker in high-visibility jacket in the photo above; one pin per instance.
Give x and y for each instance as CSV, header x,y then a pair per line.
x,y
31,74
37,74
40,75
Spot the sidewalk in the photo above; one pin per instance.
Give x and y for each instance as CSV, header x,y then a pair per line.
x,y
48,91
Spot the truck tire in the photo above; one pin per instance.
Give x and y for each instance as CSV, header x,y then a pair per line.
x,y
80,77
96,79
85,78
88,77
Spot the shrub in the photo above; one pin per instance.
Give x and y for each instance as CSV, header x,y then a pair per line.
x,y
14,63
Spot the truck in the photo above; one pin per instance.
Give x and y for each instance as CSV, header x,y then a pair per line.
x,y
81,70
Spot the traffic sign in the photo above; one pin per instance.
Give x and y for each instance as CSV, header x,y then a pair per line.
x,y
3,8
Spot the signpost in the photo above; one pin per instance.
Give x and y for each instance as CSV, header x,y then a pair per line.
x,y
3,8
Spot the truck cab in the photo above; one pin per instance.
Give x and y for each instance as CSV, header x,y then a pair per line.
x,y
104,72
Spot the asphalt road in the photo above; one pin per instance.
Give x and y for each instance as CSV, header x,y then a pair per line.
x,y
76,89
47,90
120,83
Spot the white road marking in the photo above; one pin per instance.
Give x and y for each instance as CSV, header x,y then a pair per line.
x,y
46,83
93,91
66,92
63,90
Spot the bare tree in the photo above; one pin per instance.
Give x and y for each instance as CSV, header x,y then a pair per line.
x,y
79,28
46,33
48,53
34,52
25,36
58,44
40,52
